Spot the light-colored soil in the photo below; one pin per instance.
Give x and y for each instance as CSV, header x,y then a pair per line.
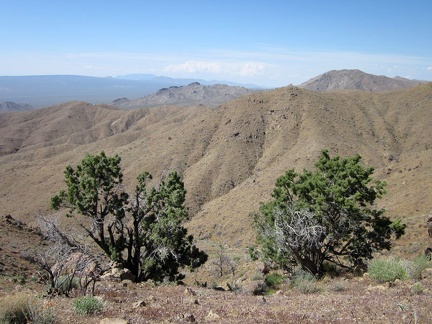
x,y
356,300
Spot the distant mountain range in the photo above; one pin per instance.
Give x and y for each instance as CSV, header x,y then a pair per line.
x,y
183,81
45,90
356,80
190,95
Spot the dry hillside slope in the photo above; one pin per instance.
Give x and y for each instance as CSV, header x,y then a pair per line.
x,y
231,155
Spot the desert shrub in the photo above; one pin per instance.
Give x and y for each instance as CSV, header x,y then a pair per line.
x,y
260,289
387,270
331,269
273,279
338,285
21,279
417,288
22,308
87,305
257,276
305,282
223,264
64,284
414,268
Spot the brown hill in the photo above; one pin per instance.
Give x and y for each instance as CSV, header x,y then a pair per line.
x,y
356,80
190,95
231,155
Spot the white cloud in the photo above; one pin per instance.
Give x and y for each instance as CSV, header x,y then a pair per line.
x,y
429,68
243,69
196,67
252,69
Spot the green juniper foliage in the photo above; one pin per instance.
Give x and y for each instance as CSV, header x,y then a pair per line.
x,y
143,232
328,214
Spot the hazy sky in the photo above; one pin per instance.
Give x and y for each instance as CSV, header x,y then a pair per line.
x,y
269,43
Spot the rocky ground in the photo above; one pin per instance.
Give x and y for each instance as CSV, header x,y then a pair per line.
x,y
338,300
341,299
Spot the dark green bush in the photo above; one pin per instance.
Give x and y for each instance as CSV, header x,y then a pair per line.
x,y
274,279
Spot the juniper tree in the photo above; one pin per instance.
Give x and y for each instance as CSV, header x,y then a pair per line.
x,y
328,214
143,231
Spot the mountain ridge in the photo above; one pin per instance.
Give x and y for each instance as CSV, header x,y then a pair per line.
x,y
188,95
356,80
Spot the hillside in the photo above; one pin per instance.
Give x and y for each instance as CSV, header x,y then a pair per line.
x,y
231,155
356,80
190,95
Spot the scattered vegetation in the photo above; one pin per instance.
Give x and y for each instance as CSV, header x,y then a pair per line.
x,y
415,268
223,264
387,270
325,215
274,279
87,305
317,223
65,265
305,282
22,308
392,268
417,288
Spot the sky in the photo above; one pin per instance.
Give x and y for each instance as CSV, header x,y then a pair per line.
x,y
268,43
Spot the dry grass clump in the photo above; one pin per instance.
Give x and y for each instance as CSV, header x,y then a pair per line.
x,y
387,269
391,268
305,282
24,308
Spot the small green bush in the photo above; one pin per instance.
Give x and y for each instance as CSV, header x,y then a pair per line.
x,y
387,270
274,279
87,305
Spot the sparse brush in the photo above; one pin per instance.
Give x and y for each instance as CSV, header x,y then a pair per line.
x,y
87,305
415,268
305,282
338,285
387,270
257,277
260,289
22,308
65,284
